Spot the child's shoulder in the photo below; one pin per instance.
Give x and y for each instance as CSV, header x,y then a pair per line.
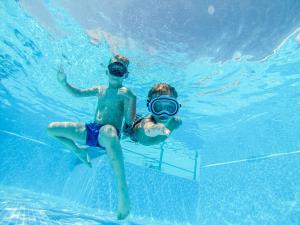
x,y
126,88
102,88
141,120
149,118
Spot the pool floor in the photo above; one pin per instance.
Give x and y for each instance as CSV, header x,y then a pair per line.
x,y
18,206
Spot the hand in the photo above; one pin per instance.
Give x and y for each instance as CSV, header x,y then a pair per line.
x,y
178,121
157,130
124,91
61,76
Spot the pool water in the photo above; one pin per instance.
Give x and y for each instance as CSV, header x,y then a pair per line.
x,y
235,65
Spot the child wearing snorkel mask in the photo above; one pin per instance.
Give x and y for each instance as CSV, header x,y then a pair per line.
x,y
163,105
115,102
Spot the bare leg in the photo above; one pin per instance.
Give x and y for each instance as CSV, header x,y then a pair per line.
x,y
67,133
109,139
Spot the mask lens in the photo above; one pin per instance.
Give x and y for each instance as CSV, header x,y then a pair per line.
x,y
117,69
157,107
163,106
116,73
171,108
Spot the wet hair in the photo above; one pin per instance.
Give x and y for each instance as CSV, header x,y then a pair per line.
x,y
162,89
119,58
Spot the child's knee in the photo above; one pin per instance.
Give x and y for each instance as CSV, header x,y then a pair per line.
x,y
108,133
53,128
53,125
50,128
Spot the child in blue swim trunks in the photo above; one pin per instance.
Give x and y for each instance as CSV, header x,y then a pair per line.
x,y
115,102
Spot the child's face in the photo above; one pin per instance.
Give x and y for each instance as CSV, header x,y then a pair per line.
x,y
116,73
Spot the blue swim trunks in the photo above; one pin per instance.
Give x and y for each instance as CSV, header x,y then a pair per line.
x,y
92,133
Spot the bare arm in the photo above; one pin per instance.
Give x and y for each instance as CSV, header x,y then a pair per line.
x,y
148,132
129,105
76,92
152,130
86,92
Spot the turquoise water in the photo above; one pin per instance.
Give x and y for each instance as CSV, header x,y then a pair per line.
x,y
235,160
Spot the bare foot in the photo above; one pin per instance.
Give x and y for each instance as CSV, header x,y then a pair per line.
x,y
82,154
123,206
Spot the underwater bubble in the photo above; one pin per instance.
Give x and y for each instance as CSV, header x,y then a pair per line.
x,y
211,10
237,55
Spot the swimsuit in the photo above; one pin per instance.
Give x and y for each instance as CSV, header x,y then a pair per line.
x,y
92,133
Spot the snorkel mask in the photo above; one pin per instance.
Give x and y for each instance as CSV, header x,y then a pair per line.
x,y
117,69
163,106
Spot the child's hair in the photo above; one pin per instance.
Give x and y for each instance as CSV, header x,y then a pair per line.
x,y
119,58
162,89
